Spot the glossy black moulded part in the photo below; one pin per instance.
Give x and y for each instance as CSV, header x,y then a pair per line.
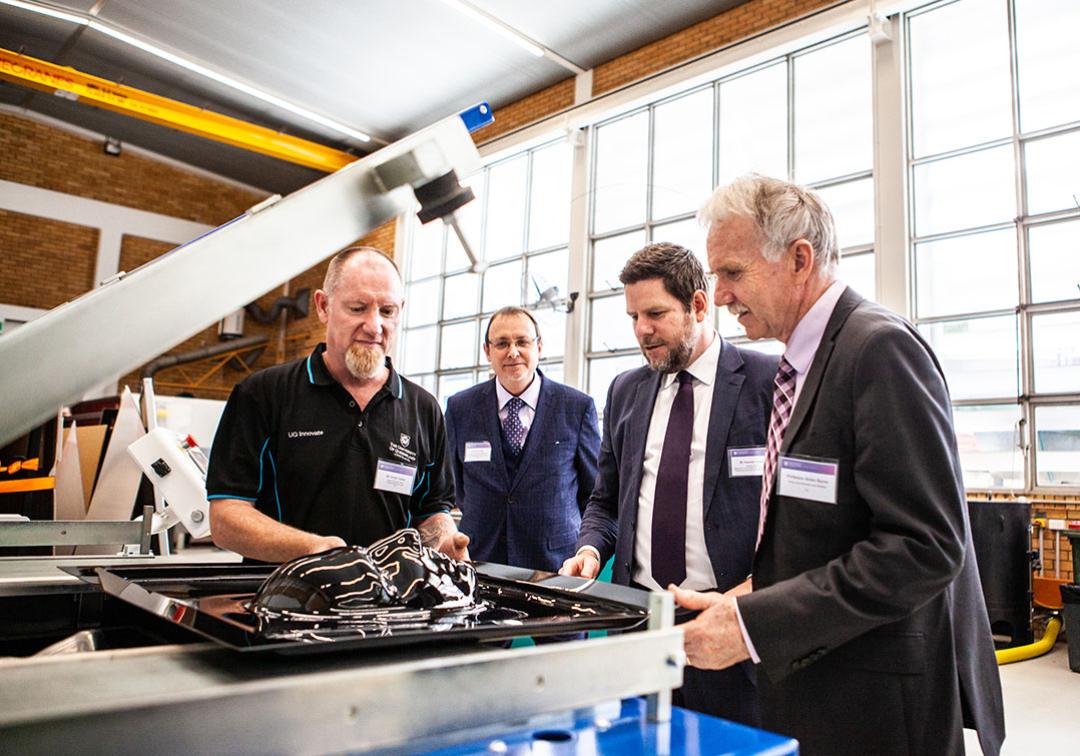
x,y
341,578
424,578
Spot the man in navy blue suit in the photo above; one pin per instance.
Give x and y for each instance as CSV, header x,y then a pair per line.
x,y
677,494
523,450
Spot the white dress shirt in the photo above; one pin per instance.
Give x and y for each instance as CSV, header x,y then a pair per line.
x,y
528,410
699,571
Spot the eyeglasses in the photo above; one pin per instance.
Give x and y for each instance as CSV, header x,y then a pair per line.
x,y
522,344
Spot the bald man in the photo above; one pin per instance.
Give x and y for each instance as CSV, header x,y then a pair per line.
x,y
335,448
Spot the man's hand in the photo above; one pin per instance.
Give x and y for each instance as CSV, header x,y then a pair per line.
x,y
713,639
439,532
325,543
583,564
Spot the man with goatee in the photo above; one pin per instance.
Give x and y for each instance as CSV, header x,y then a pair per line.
x,y
336,448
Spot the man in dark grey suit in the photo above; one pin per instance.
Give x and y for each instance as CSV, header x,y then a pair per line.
x,y
679,480
866,613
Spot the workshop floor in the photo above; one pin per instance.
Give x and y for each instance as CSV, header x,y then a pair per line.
x,y
1042,706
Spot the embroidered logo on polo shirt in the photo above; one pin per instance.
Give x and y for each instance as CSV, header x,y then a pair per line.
x,y
400,452
405,439
304,434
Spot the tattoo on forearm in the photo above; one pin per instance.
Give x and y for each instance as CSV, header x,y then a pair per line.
x,y
433,530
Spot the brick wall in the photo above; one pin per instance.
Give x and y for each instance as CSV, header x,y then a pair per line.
x,y
44,156
44,263
302,335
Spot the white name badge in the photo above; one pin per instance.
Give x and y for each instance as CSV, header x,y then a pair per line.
x,y
394,477
802,478
746,461
477,451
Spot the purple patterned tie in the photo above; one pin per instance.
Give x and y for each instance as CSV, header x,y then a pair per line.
x,y
669,500
512,427
783,399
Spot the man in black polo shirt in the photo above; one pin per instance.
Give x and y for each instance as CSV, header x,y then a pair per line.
x,y
335,448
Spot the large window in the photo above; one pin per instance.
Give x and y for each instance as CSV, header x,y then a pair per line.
x,y
995,158
520,225
805,116
976,237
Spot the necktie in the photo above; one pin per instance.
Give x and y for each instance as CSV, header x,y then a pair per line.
x,y
783,399
669,501
512,427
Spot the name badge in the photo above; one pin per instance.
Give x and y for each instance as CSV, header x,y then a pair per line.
x,y
394,477
477,451
746,461
806,478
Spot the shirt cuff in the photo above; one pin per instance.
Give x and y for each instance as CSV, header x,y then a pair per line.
x,y
592,550
746,636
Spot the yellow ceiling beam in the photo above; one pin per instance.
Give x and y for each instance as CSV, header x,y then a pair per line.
x,y
102,93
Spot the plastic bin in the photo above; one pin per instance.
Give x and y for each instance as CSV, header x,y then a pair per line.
x,y
1074,543
1070,599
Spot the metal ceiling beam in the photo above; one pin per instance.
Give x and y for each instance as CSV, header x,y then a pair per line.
x,y
102,93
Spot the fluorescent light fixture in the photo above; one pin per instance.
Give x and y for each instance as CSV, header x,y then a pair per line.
x,y
189,65
496,25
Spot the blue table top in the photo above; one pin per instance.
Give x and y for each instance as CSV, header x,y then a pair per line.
x,y
630,734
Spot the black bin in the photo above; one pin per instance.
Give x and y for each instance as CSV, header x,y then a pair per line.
x,y
1070,599
1001,532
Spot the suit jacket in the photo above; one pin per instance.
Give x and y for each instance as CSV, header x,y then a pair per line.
x,y
531,520
742,401
868,614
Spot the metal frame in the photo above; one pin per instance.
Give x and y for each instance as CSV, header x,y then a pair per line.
x,y
200,699
79,532
133,317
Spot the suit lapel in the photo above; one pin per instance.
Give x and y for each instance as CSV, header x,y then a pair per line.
x,y
848,301
535,439
726,388
490,420
637,427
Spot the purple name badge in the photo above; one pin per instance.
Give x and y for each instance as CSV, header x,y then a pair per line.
x,y
802,478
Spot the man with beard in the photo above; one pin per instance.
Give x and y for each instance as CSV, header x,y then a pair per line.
x,y
676,495
335,448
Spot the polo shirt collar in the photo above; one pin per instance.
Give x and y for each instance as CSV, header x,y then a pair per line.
x,y
319,375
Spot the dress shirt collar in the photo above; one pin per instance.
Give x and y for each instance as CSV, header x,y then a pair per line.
x,y
806,337
703,368
530,395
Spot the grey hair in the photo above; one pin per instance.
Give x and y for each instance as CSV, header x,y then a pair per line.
x,y
333,270
783,212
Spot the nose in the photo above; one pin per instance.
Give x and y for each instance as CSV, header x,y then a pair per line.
x,y
643,329
722,295
372,322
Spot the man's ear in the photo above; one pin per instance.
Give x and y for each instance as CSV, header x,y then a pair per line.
x,y
699,305
322,305
802,258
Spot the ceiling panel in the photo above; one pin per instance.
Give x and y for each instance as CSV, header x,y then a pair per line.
x,y
387,67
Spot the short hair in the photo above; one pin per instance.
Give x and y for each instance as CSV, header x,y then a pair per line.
x,y
333,270
506,312
678,268
782,211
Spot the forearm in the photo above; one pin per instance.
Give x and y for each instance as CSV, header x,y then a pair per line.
x,y
436,529
237,526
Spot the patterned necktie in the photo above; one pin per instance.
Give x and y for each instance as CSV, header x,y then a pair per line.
x,y
783,399
668,544
512,427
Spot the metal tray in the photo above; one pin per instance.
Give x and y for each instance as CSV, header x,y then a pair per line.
x,y
212,601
